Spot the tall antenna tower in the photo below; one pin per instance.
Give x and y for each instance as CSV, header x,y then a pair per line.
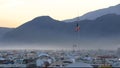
x,y
77,29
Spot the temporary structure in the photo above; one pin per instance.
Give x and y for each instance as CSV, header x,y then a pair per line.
x,y
79,64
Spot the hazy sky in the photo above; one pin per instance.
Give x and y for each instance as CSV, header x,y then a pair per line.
x,y
16,12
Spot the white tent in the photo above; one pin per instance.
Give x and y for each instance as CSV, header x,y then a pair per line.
x,y
2,58
42,54
80,64
39,62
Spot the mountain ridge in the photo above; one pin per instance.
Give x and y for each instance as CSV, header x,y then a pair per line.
x,y
102,31
4,30
97,13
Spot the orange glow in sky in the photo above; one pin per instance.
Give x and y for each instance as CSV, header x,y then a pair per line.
x,y
16,12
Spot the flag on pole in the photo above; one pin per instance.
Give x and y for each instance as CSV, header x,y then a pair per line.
x,y
77,28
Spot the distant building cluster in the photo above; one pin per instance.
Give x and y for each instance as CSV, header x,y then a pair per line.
x,y
60,58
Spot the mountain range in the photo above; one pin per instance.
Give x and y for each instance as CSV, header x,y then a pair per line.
x,y
97,13
101,32
4,30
